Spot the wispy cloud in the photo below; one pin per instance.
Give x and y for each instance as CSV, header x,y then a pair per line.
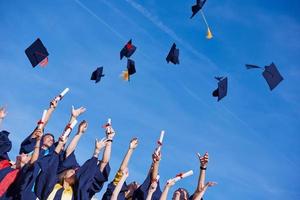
x,y
100,20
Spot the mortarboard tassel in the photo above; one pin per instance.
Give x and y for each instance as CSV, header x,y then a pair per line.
x,y
209,35
44,62
125,75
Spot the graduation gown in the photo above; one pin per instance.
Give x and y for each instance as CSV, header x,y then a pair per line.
x,y
142,191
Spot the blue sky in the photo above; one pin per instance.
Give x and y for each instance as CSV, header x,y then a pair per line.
x,y
252,135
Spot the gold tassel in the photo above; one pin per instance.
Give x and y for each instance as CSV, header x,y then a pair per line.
x,y
125,75
209,34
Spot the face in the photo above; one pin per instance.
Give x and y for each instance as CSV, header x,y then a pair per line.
x,y
22,159
48,141
131,188
70,176
180,194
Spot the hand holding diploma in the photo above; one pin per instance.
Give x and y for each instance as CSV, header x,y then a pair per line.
x,y
62,94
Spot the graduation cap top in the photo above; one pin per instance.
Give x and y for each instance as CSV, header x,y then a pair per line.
x,y
173,55
97,74
221,91
127,50
37,53
270,73
197,7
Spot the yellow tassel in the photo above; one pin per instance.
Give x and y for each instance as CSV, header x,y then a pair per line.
x,y
125,75
209,34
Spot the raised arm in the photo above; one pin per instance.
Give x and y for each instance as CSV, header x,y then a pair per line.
x,y
118,187
155,165
201,188
36,151
81,129
169,184
110,133
133,144
52,107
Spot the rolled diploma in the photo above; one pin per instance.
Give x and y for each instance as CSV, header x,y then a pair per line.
x,y
43,119
62,94
186,174
161,137
109,121
68,130
162,133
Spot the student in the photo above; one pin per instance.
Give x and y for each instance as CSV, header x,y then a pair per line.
x,y
142,192
70,183
126,190
25,186
181,193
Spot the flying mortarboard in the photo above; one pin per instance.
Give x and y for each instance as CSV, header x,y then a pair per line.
x,y
221,91
37,53
270,73
97,74
130,70
173,55
195,9
127,50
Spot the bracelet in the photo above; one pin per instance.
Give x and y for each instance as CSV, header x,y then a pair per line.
x,y
109,140
203,168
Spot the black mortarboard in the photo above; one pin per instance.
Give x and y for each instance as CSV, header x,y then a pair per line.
x,y
97,74
270,73
197,7
69,162
127,50
173,55
37,53
221,91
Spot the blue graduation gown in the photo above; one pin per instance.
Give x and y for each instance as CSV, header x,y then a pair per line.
x,y
99,179
110,189
142,191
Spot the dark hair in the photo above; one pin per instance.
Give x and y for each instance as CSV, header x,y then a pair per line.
x,y
181,194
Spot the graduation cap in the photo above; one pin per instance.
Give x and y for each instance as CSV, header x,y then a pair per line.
x,y
270,73
127,50
197,7
37,53
130,70
221,91
173,55
5,145
69,162
97,74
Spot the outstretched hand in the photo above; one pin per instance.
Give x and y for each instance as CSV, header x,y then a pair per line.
x,y
203,159
156,157
3,112
82,126
210,184
133,143
53,103
99,144
78,111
